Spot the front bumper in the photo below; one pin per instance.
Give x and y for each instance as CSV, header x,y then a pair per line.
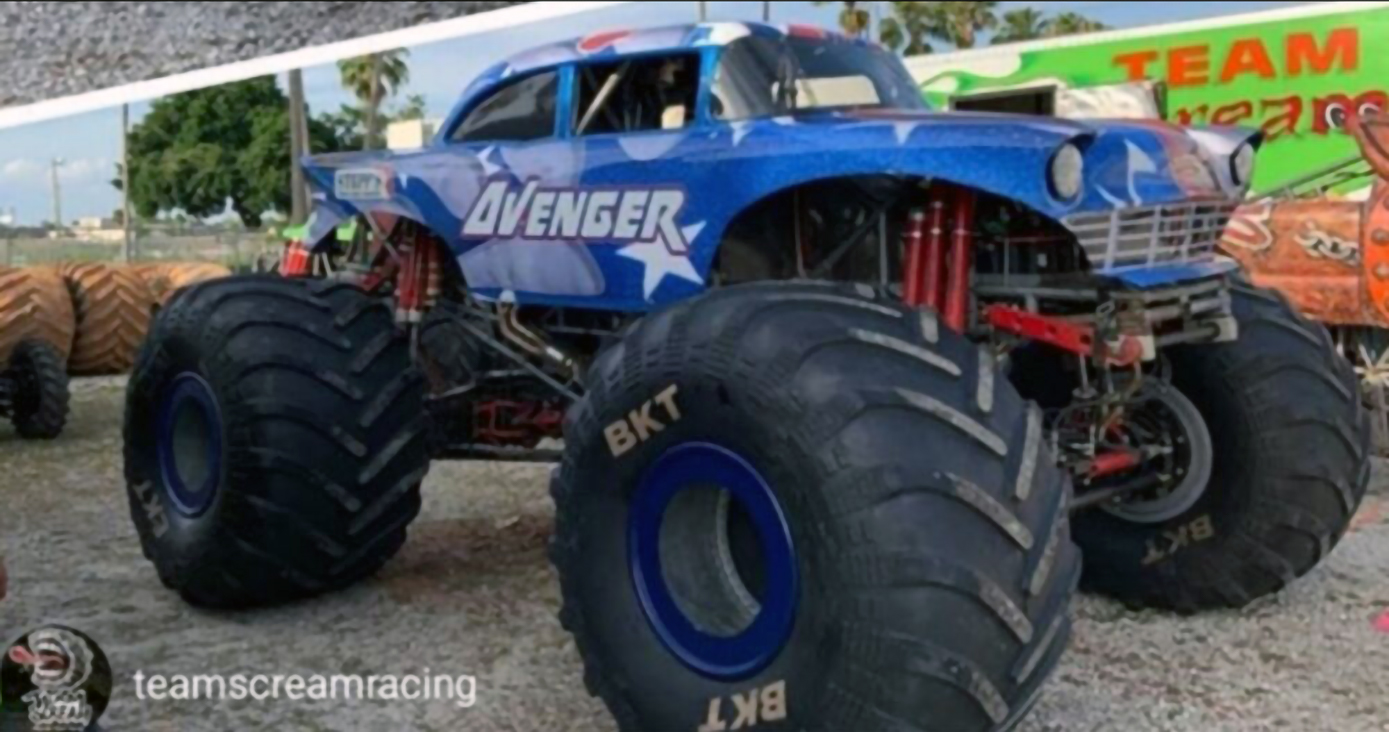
x,y
1138,320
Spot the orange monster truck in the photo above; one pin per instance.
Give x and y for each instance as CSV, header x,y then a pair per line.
x,y
1330,256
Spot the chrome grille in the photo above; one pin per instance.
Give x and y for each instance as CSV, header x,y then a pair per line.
x,y
1144,236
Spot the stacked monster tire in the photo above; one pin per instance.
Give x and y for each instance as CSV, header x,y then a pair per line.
x,y
113,307
35,304
183,275
164,279
156,278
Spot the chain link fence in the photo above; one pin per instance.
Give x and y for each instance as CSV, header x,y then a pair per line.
x,y
240,250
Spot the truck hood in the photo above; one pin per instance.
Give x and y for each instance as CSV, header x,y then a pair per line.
x,y
1127,162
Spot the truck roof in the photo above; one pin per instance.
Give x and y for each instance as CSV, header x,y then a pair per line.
x,y
626,42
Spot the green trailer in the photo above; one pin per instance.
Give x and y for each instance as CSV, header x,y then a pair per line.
x,y
1297,73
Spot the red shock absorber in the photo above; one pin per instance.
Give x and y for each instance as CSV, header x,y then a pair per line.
x,y
961,261
914,271
923,271
418,282
433,274
406,282
935,252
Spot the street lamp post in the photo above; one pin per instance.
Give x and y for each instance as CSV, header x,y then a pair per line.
x,y
57,195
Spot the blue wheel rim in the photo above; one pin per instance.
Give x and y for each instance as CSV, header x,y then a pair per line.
x,y
190,497
755,647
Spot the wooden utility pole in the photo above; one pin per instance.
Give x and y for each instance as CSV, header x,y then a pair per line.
x,y
298,207
766,12
126,228
703,11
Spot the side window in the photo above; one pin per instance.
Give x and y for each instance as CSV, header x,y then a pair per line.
x,y
636,95
523,110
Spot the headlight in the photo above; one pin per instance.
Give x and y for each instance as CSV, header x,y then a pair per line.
x,y
1242,164
1067,172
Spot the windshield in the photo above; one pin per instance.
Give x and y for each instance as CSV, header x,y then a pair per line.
x,y
764,77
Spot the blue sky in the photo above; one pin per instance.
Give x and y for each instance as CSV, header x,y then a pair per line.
x,y
90,143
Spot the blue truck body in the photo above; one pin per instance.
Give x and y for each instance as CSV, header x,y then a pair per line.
x,y
632,221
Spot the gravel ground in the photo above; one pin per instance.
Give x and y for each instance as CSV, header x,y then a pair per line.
x,y
472,593
52,49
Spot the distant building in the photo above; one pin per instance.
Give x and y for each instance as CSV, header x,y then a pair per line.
x,y
411,134
94,229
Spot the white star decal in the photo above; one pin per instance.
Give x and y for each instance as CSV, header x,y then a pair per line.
x,y
722,34
740,130
488,167
904,131
1139,162
661,263
691,233
901,129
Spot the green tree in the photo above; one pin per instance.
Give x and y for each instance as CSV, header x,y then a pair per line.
x,y
1021,25
961,22
371,79
203,150
349,123
911,27
1069,24
414,108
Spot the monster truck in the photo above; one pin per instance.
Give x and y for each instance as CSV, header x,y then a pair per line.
x,y
839,388
1327,252
34,390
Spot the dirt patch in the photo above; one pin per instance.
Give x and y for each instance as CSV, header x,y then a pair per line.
x,y
472,593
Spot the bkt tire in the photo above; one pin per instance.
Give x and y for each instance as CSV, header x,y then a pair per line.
x,y
274,440
37,371
1290,466
791,506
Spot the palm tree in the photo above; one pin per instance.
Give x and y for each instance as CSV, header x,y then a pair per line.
x,y
1021,25
372,78
911,26
1068,24
853,20
961,22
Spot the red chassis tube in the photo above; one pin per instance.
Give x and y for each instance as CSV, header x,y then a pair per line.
x,y
1074,337
1113,462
